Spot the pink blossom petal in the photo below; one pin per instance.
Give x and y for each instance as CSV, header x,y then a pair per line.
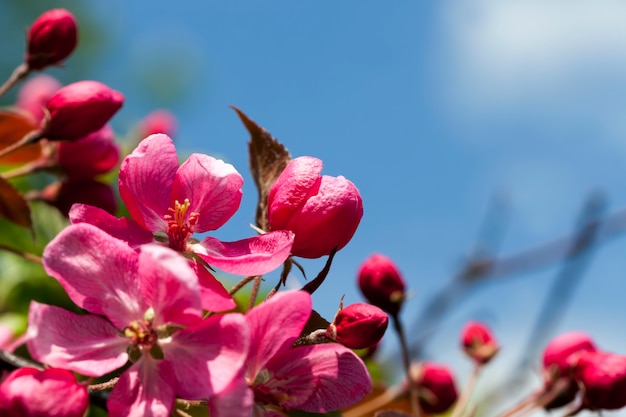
x,y
234,401
213,188
169,285
256,255
123,228
339,378
98,272
275,325
209,355
146,178
144,390
86,344
212,293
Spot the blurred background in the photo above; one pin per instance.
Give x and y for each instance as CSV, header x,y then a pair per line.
x,y
475,130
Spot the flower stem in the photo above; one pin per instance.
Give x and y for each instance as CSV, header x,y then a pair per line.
x,y
255,292
18,73
313,285
467,391
28,256
375,403
103,385
32,137
240,285
406,361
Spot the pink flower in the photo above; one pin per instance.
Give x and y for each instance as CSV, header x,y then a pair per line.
x,y
145,307
314,378
35,93
478,342
51,38
29,392
172,202
95,154
381,283
436,387
602,378
358,326
79,109
323,211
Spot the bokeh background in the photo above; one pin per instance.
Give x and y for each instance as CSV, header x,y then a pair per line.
x,y
471,127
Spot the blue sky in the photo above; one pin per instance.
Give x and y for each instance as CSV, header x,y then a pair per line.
x,y
430,108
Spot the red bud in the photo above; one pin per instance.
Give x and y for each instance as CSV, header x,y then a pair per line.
x,y
602,377
381,283
478,342
51,39
159,121
358,326
436,387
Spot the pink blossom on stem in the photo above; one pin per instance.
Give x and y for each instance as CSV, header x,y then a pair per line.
x,y
478,342
35,93
436,387
314,378
358,326
79,109
51,38
323,211
145,307
381,283
29,392
172,202
602,380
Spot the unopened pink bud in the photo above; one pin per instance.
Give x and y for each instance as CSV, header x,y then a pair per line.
x,y
29,392
381,283
95,154
559,356
79,109
35,93
436,387
358,326
602,378
51,38
478,342
159,121
323,211
63,195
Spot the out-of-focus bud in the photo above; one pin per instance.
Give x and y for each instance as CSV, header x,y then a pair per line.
x,y
602,377
79,109
35,93
381,283
478,342
436,387
63,195
159,121
92,155
51,38
358,326
323,211
559,356
29,392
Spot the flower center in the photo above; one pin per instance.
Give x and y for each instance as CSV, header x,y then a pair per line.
x,y
270,390
180,225
141,334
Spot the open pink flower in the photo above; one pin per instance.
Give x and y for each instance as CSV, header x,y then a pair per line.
x,y
315,378
171,202
145,308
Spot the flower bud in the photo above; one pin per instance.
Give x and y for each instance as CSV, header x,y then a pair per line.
x,y
63,195
35,93
558,358
90,156
436,387
29,392
323,211
478,342
381,283
79,109
358,326
51,38
602,377
159,121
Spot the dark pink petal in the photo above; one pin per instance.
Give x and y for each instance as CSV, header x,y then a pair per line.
x,y
145,181
144,390
29,392
86,344
208,357
256,255
169,285
234,401
292,188
123,228
212,187
98,272
339,376
92,155
213,295
275,325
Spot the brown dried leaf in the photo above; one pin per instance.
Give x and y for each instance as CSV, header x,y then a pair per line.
x,y
268,158
13,206
13,127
